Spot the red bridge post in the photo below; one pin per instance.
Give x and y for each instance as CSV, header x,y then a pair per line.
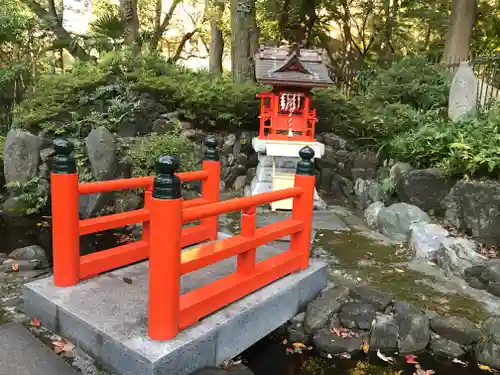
x,y
165,251
65,216
210,186
303,204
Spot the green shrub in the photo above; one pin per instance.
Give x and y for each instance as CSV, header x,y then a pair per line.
x,y
336,113
412,81
470,147
148,149
56,95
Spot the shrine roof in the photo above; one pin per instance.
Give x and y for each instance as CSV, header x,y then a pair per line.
x,y
302,67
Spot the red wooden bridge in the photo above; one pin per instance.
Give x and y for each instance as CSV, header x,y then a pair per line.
x,y
164,216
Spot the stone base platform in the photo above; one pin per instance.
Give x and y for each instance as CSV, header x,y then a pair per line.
x,y
107,317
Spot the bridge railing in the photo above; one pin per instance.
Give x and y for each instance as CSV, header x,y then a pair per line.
x,y
164,215
168,310
69,266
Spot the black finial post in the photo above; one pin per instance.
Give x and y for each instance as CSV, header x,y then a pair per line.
x,y
166,184
64,162
211,152
305,167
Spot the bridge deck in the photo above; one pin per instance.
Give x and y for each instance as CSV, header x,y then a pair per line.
x,y
107,317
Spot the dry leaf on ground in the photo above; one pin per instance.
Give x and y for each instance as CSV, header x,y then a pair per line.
x,y
299,345
410,358
484,367
365,347
35,322
456,360
420,371
62,346
385,358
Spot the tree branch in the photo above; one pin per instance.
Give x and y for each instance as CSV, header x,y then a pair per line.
x,y
63,37
163,26
53,11
182,43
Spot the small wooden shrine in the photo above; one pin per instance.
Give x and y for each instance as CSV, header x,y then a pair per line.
x,y
285,112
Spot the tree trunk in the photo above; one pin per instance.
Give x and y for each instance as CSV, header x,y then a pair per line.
x,y
216,50
387,53
283,20
463,19
161,27
64,39
307,18
131,20
242,24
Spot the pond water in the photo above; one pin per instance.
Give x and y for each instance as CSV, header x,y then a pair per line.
x,y
269,356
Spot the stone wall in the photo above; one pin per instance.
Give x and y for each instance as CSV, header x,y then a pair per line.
x,y
344,321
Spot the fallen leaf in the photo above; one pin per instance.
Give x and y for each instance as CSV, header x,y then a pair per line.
x,y
420,371
35,322
399,270
484,367
365,347
410,358
285,341
329,356
384,358
456,360
345,356
15,267
62,346
299,345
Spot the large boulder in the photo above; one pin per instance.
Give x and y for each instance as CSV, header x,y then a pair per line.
x,y
445,348
474,207
396,220
456,329
425,239
357,315
413,328
146,111
398,170
101,150
457,254
425,188
21,156
488,347
384,333
371,214
323,308
326,342
365,294
490,272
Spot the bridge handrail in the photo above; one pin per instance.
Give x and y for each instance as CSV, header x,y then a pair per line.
x,y
134,183
168,310
238,204
67,227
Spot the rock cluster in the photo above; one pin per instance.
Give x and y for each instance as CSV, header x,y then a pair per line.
x,y
29,261
343,320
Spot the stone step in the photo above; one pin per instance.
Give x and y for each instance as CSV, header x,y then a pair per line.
x,y
23,354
